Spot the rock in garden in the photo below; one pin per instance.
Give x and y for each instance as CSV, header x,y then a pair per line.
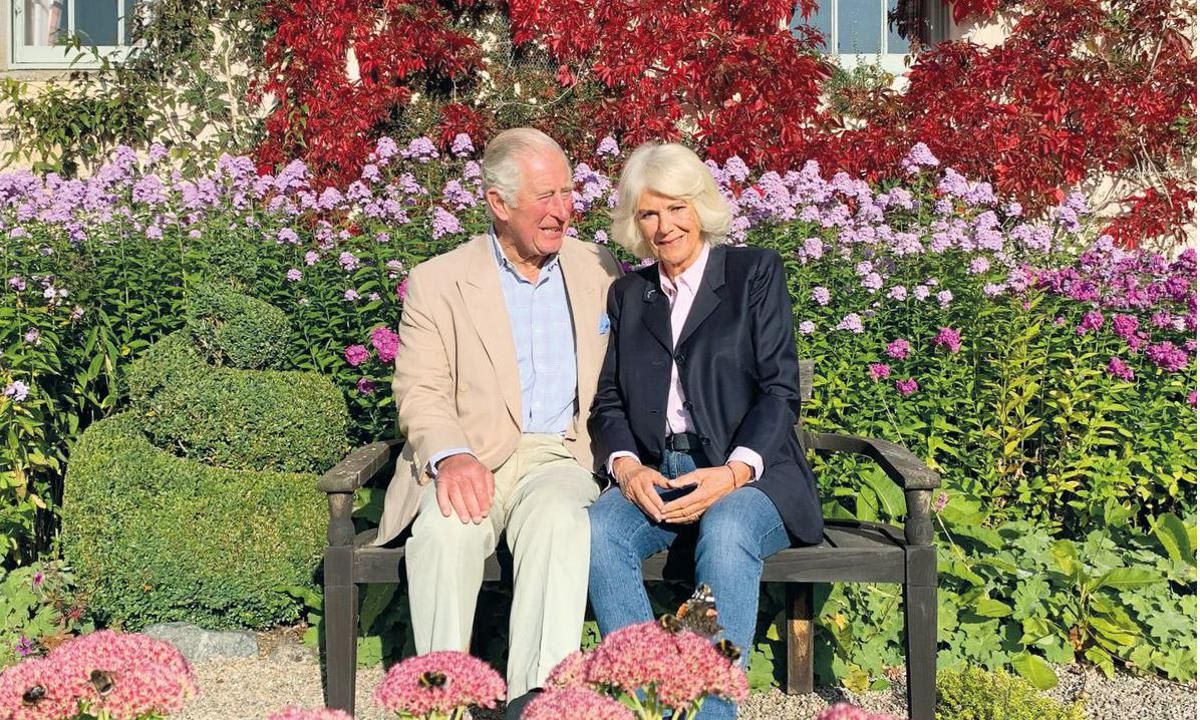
x,y
199,645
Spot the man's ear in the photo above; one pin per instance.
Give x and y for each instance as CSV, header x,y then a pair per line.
x,y
500,211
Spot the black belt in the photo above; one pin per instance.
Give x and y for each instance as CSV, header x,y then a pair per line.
x,y
683,442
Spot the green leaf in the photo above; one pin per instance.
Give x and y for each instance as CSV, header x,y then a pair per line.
x,y
992,608
374,602
1035,670
1127,577
1176,538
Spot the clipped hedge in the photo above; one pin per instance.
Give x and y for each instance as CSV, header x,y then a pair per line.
x,y
159,538
237,330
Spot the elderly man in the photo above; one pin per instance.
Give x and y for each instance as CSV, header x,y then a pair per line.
x,y
501,342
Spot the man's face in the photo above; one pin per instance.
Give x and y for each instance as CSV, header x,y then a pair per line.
x,y
538,223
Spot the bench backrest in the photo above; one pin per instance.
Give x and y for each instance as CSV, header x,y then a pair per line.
x,y
806,387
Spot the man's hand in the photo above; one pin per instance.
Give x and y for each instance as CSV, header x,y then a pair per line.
x,y
712,484
637,483
465,487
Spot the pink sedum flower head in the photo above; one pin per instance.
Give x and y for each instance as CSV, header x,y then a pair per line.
x,y
37,689
845,711
295,713
571,672
126,676
575,702
439,682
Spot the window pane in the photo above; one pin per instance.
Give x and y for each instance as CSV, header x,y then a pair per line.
x,y
96,21
859,25
128,17
901,22
45,22
821,20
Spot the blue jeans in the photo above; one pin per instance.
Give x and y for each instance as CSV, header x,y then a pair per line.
x,y
732,538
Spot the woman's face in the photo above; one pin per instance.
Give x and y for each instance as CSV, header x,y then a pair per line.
x,y
671,227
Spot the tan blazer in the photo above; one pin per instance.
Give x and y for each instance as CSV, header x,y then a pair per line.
x,y
456,382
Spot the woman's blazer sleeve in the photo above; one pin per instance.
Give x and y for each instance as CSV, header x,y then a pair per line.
x,y
608,423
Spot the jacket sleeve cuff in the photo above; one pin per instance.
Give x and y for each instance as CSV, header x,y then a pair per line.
x,y
612,458
433,461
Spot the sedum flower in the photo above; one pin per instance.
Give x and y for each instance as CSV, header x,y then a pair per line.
x,y
575,702
846,711
295,713
444,682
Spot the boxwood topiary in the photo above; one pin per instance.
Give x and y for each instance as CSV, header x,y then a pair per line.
x,y
975,694
172,360
237,330
154,537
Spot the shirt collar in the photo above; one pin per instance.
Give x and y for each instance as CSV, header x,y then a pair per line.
x,y
689,278
504,263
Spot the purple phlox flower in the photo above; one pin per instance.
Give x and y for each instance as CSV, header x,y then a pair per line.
x,y
814,247
365,386
402,290
873,282
898,292
385,342
993,289
907,387
821,295
158,152
329,199
461,145
356,354
472,171
1192,398
921,292
385,149
939,503
456,196
919,156
394,268
1119,369
351,295
852,322
1167,356
17,391
600,237
33,336
420,149
38,578
287,236
943,206
736,169
154,232
294,275
25,647
1014,209
16,282
944,298
608,146
311,257
1092,320
899,349
879,371
348,261
806,327
978,266
370,173
948,338
1124,326
444,222
382,237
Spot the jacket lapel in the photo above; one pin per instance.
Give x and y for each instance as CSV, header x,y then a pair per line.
x,y
657,313
585,316
707,298
485,304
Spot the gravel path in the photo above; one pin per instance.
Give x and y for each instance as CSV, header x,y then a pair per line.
x,y
288,674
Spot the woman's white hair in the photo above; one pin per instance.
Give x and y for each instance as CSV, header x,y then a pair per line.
x,y
501,167
675,171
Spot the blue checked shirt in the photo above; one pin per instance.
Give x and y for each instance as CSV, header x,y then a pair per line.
x,y
543,333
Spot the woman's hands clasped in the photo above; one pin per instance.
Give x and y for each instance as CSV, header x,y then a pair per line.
x,y
638,483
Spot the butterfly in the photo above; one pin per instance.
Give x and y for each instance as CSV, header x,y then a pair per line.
x,y
102,681
698,614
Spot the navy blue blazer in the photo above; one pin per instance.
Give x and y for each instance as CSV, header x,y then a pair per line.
x,y
737,363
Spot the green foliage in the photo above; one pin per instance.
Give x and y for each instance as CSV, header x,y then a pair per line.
x,y
975,694
38,605
246,534
237,330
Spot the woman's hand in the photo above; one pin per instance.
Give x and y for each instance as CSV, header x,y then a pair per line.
x,y
638,483
712,484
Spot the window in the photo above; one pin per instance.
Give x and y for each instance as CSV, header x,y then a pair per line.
x,y
40,27
876,31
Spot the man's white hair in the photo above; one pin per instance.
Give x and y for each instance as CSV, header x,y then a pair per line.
x,y
675,171
502,160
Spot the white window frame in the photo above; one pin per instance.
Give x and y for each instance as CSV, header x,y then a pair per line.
x,y
55,57
894,63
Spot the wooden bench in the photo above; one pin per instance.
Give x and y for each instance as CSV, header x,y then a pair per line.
x,y
852,551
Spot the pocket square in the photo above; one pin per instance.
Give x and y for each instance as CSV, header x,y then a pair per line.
x,y
605,323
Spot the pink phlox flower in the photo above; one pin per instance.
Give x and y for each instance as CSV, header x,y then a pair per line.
x,y
1124,326
439,682
907,387
1117,368
879,371
385,343
1092,320
948,338
821,295
899,349
402,290
852,322
1167,356
356,355
295,713
575,702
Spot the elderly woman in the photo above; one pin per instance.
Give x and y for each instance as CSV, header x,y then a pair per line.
x,y
696,403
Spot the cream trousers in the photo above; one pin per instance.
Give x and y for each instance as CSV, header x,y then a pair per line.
x,y
541,501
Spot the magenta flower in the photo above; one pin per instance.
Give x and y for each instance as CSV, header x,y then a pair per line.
x,y
852,322
845,711
25,647
1124,326
1119,369
125,675
356,355
38,579
879,371
385,343
907,387
1092,320
439,682
402,290
948,338
365,386
1192,398
898,349
939,503
575,702
295,713
1167,356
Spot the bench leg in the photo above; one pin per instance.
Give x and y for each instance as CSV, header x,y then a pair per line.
x,y
341,632
920,630
799,638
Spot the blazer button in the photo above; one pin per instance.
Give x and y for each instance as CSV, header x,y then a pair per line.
x,y
678,358
687,405
705,441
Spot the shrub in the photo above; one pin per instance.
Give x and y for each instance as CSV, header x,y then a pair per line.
x,y
237,330
160,538
976,694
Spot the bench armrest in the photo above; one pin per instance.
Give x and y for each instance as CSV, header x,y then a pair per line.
x,y
340,482
906,469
